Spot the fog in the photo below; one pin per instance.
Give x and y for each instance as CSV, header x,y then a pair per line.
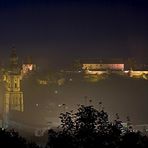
x,y
125,96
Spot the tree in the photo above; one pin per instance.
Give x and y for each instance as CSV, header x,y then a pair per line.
x,y
67,123
12,139
134,139
90,128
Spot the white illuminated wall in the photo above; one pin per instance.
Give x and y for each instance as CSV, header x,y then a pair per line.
x,y
103,66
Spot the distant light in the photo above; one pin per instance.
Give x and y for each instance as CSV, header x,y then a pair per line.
x,y
56,92
59,105
37,105
70,79
126,71
3,129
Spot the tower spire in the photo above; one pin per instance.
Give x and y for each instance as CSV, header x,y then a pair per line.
x,y
13,61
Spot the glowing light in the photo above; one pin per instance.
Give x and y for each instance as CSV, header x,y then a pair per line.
x,y
126,71
42,82
103,66
56,92
27,68
95,72
59,105
70,79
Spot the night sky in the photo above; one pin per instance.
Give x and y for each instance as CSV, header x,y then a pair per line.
x,y
55,31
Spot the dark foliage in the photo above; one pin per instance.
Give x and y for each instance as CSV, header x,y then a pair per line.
x,y
87,128
12,139
90,128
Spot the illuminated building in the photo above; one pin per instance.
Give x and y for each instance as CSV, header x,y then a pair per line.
x,y
13,98
98,66
27,67
123,67
137,73
104,66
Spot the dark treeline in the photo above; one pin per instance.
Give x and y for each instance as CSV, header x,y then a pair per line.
x,y
10,138
90,128
86,128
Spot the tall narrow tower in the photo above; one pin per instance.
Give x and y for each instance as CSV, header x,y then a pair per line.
x,y
13,99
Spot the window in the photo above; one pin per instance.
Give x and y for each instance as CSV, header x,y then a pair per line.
x,y
15,85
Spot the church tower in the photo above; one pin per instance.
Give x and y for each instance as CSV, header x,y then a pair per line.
x,y
13,99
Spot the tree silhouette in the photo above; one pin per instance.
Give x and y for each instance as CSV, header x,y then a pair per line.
x,y
67,122
12,139
90,128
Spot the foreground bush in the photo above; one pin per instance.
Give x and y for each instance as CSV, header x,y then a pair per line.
x,y
12,139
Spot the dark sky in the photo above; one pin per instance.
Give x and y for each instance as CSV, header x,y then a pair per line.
x,y
57,31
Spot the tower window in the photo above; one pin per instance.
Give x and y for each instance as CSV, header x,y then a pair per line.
x,y
15,85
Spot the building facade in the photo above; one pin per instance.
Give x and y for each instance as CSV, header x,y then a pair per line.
x,y
13,97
